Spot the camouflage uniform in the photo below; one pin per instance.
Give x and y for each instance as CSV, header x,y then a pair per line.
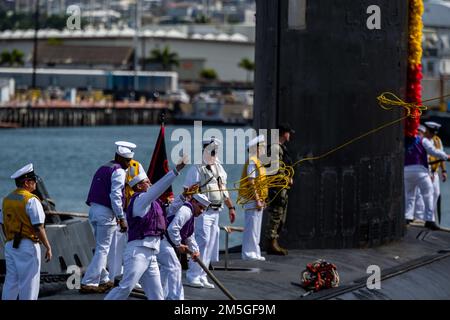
x,y
278,201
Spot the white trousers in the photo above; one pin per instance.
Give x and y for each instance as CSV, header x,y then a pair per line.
x,y
206,229
436,192
115,255
23,266
171,272
139,264
418,180
96,271
419,206
252,234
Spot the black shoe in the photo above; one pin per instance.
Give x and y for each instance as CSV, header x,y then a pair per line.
x,y
408,221
432,225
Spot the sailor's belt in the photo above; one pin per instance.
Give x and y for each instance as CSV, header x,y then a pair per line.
x,y
215,207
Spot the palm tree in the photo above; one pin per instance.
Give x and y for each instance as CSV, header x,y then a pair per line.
x,y
165,58
15,57
5,58
248,66
208,74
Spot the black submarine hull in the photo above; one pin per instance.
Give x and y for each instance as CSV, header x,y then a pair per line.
x,y
323,74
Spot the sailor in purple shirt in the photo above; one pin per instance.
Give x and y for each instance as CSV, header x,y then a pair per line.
x,y
147,225
179,237
417,176
106,201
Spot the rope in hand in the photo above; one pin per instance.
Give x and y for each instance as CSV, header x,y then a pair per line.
x,y
282,180
246,187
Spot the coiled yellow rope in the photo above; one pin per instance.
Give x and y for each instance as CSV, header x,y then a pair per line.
x,y
246,189
388,100
281,180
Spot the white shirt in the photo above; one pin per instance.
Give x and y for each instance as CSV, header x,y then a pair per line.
x,y
175,205
34,210
181,218
193,176
431,150
143,202
117,187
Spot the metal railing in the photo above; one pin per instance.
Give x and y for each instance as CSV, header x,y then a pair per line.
x,y
228,230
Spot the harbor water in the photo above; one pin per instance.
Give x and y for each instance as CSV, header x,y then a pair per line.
x,y
67,158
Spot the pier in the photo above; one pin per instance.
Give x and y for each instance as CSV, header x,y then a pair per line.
x,y
80,116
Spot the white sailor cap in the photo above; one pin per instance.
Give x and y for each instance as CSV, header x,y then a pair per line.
x,y
433,125
202,199
24,172
126,144
135,174
214,140
125,149
422,128
140,177
255,141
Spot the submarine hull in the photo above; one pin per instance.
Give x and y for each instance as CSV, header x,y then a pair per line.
x,y
320,68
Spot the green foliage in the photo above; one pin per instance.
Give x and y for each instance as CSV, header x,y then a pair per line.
x,y
13,58
5,57
202,19
17,57
208,74
165,58
248,66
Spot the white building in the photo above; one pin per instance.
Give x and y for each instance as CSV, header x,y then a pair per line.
x,y
436,51
219,51
436,44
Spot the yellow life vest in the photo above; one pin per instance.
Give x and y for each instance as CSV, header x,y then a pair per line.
x,y
132,171
15,218
260,180
438,145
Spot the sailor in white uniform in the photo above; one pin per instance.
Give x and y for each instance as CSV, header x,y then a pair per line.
x,y
212,180
433,128
145,217
254,209
120,239
417,176
22,219
419,206
179,236
106,201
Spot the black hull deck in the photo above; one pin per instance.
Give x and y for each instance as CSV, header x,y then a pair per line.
x,y
416,267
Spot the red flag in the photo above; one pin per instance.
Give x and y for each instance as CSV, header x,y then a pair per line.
x,y
159,165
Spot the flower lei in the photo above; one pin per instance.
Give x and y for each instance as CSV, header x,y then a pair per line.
x,y
414,76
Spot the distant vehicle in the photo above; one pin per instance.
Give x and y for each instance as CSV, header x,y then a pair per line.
x,y
244,96
178,96
216,108
55,93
